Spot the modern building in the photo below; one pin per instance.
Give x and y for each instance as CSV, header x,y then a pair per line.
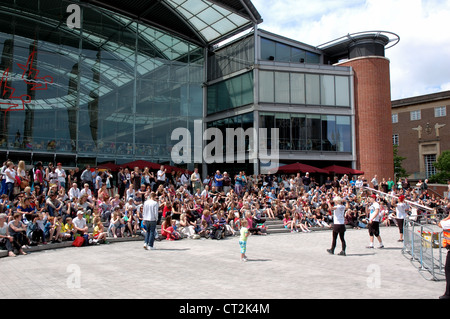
x,y
90,81
421,130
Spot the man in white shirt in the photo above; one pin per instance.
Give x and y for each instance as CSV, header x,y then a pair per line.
x,y
74,192
150,216
374,221
61,175
79,223
161,176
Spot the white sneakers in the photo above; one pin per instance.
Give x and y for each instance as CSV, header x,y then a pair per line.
x,y
147,247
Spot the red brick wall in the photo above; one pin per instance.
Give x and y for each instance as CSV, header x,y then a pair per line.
x,y
373,116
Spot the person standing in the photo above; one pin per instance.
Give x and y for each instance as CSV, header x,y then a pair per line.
x,y
338,224
243,239
10,180
374,221
195,180
374,182
400,213
86,177
150,218
445,225
161,176
61,176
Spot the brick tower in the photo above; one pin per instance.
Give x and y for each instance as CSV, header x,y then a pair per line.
x,y
364,53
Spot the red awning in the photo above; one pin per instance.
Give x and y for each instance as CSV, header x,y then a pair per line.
x,y
300,168
342,170
141,164
113,167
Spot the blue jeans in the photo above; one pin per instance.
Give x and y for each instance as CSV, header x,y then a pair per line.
x,y
151,232
10,190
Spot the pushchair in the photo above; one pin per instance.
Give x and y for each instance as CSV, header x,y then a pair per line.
x,y
215,231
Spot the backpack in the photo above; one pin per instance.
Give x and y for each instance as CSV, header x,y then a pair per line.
x,y
78,242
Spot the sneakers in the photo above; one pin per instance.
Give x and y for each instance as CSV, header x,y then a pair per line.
x,y
342,253
244,259
381,246
330,251
145,247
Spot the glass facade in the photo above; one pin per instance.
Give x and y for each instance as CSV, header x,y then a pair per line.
x,y
280,52
114,88
304,88
231,93
310,132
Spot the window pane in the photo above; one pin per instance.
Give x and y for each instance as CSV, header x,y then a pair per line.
x,y
342,91
297,88
313,141
283,123
297,55
267,49
281,87
312,57
266,87
298,125
343,134
327,89
283,53
328,133
312,89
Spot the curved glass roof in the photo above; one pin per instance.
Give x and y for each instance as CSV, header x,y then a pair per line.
x,y
204,22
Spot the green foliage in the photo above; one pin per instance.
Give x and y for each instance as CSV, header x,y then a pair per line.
x,y
443,167
399,171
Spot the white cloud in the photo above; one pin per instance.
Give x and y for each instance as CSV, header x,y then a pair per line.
x,y
420,62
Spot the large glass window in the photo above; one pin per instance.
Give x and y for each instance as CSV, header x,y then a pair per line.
x,y
310,132
327,90
300,88
231,93
113,87
312,89
276,51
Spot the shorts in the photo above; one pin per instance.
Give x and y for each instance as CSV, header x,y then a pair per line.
x,y
374,229
243,245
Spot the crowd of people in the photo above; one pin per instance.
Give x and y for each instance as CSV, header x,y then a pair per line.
x,y
49,204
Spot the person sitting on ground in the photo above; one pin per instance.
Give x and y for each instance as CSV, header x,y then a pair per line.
x,y
6,240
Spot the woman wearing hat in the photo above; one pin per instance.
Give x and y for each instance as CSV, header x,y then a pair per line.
x,y
374,221
400,213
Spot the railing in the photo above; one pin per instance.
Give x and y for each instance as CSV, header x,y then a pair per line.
x,y
422,237
423,243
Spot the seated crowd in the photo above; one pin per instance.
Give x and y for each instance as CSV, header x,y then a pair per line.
x,y
48,205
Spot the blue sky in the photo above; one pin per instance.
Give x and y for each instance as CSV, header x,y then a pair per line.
x,y
420,62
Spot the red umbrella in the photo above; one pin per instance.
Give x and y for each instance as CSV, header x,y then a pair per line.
x,y
113,167
342,170
300,168
141,164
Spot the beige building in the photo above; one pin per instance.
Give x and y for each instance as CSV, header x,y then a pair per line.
x,y
421,129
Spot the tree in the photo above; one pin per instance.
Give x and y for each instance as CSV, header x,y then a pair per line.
x,y
399,171
443,167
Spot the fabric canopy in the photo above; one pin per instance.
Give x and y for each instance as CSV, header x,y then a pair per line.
x,y
300,168
141,164
113,167
342,170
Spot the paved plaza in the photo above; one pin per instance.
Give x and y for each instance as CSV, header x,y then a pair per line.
x,y
292,266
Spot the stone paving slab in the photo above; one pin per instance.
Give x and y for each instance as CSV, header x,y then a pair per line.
x,y
288,266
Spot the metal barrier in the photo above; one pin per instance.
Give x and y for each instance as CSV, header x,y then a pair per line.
x,y
423,243
422,237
